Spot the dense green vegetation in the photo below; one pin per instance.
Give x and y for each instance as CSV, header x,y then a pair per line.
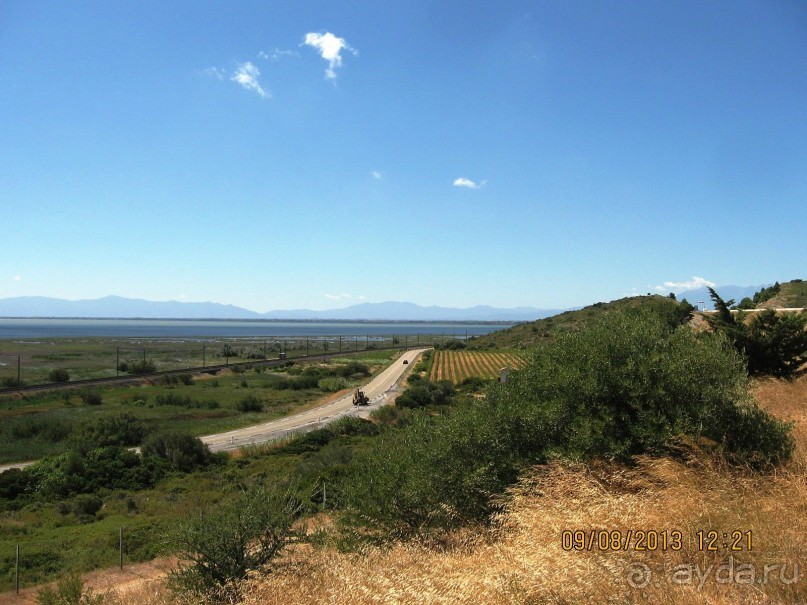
x,y
626,385
773,344
530,334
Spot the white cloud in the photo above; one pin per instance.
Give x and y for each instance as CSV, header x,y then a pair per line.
x,y
247,76
468,183
18,278
377,175
693,284
345,296
215,72
277,54
330,48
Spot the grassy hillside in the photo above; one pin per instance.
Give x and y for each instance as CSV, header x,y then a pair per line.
x,y
791,294
522,560
527,335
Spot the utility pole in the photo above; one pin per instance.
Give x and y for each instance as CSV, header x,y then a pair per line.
x,y
17,571
120,542
19,379
117,360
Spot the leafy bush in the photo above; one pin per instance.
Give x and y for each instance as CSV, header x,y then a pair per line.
x,y
35,427
120,430
87,504
452,344
183,452
9,382
353,368
15,482
239,537
111,467
250,404
138,367
59,375
90,397
773,344
628,385
424,393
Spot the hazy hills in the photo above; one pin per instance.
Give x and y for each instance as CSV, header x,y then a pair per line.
x,y
117,307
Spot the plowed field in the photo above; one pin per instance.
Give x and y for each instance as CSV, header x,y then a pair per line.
x,y
459,365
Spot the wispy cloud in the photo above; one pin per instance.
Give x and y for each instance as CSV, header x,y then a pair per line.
x,y
247,76
693,284
468,183
277,54
215,72
377,175
344,296
330,48
18,278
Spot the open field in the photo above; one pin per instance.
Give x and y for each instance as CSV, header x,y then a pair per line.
x,y
456,366
39,425
34,361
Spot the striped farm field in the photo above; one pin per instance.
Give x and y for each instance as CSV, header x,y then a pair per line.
x,y
456,366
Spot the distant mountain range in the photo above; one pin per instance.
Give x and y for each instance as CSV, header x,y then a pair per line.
x,y
116,307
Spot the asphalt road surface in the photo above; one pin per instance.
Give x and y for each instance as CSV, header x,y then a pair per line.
x,y
378,390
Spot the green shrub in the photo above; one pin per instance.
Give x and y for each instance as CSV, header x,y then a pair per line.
x,y
183,452
16,482
37,427
628,384
773,344
239,537
353,368
87,504
424,393
250,404
120,430
110,467
90,397
59,375
138,367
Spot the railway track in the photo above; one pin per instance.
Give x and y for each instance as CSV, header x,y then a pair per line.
x,y
150,378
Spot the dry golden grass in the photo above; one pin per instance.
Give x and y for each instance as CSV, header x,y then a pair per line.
x,y
522,560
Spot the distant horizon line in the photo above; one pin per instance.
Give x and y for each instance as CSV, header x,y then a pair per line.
x,y
278,320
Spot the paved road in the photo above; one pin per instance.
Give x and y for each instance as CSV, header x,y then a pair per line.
x,y
377,390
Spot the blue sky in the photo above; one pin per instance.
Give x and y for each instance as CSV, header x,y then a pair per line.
x,y
317,154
